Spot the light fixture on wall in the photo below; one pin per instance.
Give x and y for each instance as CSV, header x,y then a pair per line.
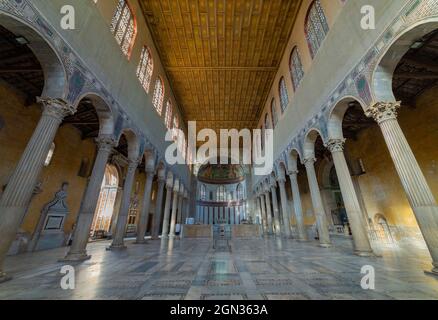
x,y
417,45
21,40
361,165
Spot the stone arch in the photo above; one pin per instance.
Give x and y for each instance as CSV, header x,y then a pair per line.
x,y
161,170
55,76
133,143
309,143
281,169
336,116
149,158
382,76
324,172
292,161
103,109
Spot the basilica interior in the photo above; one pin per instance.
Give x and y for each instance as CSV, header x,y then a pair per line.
x,y
96,100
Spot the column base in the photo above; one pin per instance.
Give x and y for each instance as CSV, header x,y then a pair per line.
x,y
365,253
164,237
75,257
4,277
325,245
433,272
116,247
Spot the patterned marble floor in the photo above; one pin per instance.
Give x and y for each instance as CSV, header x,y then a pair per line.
x,y
247,269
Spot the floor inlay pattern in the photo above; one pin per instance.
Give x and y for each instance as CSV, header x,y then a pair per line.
x,y
253,269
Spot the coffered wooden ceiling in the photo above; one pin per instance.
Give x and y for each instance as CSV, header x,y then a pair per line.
x,y
221,56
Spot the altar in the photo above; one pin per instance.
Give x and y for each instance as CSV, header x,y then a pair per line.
x,y
206,231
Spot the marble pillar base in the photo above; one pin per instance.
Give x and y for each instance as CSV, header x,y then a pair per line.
x,y
364,253
4,277
144,241
433,272
325,245
75,257
116,247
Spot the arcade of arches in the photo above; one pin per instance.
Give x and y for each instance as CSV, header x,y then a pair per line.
x,y
83,170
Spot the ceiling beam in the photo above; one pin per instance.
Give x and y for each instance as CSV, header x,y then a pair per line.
x,y
416,75
4,70
236,68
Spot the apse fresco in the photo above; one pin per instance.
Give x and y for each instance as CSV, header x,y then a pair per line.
x,y
116,118
221,173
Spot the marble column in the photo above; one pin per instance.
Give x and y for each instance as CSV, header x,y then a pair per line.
x,y
187,207
21,185
180,209
116,209
414,183
78,252
167,206
268,212
362,246
275,209
318,207
264,216
175,204
298,208
259,210
285,207
158,208
144,215
122,219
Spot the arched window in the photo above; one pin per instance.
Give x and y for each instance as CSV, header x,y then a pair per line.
x,y
284,97
158,98
262,138
296,68
239,192
169,112
316,27
221,194
274,113
175,128
203,193
145,69
267,122
123,27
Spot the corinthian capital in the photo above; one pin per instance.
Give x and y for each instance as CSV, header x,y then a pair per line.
x,y
106,143
281,179
309,161
133,164
335,145
56,108
383,111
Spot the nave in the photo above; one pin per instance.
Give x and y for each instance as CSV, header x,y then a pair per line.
x,y
265,269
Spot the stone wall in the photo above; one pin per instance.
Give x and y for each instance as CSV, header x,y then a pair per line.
x,y
19,122
381,186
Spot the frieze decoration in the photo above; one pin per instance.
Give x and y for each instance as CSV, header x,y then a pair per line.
x,y
358,81
79,78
